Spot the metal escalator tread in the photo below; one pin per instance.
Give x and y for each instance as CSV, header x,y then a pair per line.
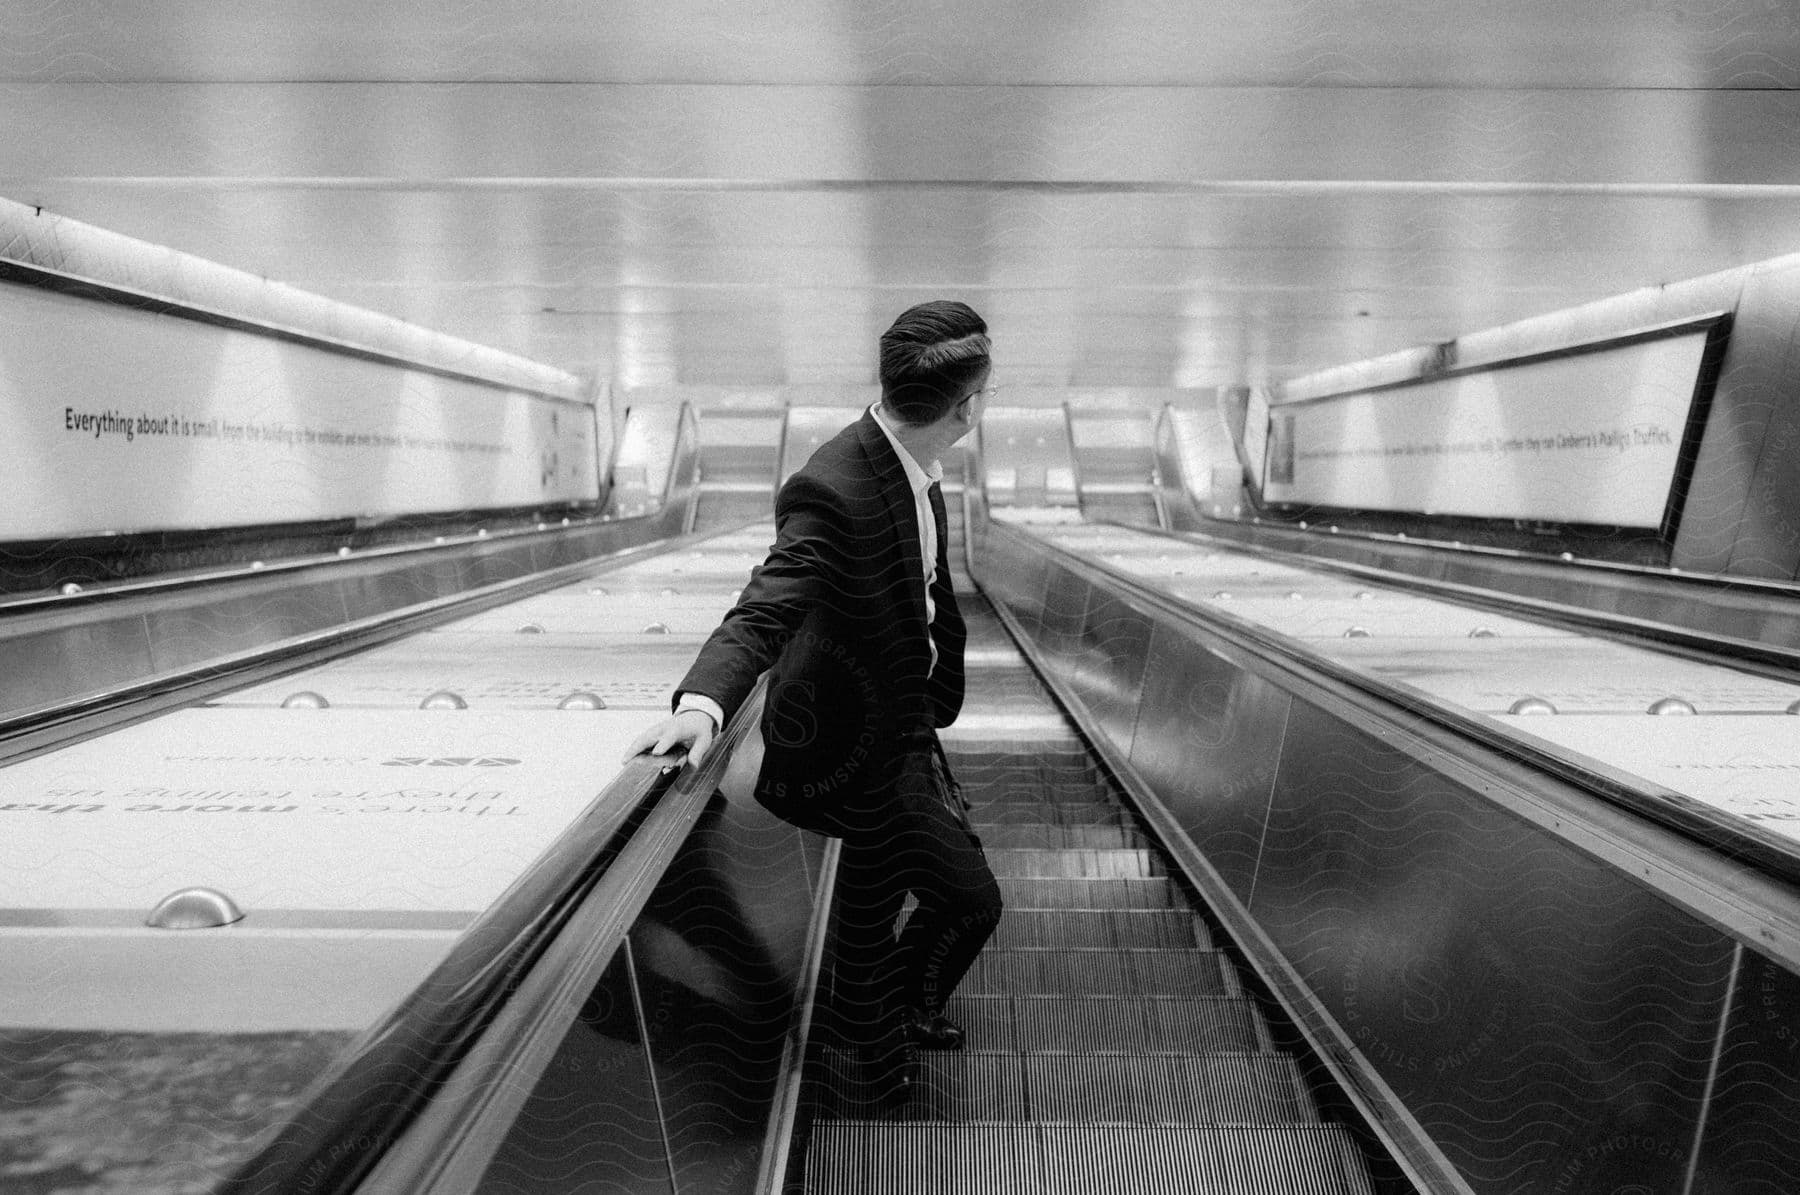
x,y
1110,1046
882,1157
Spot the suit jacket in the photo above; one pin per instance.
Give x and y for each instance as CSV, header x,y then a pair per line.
x,y
836,614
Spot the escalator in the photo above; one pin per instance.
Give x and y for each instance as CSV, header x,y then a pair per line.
x,y
739,451
1111,1045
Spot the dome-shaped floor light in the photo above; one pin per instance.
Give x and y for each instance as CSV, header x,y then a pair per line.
x,y
194,908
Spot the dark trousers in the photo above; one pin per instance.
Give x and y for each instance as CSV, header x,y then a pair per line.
x,y
920,844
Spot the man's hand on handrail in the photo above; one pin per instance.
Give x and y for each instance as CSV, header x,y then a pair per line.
x,y
693,729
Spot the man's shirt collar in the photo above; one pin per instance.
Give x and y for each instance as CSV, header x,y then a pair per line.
x,y
917,476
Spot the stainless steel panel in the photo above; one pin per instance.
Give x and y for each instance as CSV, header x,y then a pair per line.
x,y
1208,738
719,951
593,1121
1749,1142
1526,1002
1106,665
423,580
180,638
1063,615
50,663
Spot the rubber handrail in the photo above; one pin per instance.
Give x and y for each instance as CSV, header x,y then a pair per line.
x,y
458,1123
381,1081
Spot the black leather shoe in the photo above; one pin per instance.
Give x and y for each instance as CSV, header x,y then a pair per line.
x,y
936,1032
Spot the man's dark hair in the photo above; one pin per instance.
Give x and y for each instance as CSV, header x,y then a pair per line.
x,y
930,357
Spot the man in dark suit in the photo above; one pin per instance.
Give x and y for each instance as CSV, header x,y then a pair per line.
x,y
854,617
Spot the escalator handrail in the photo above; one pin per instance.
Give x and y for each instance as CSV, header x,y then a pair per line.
x,y
388,1105
375,1087
461,1122
1732,843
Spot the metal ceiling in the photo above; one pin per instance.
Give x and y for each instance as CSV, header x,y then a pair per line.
x,y
1143,193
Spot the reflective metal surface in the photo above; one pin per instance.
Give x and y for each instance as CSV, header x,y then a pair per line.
x,y
194,908
1112,651
719,953
1527,1003
1542,1011
1207,740
601,1076
1743,1145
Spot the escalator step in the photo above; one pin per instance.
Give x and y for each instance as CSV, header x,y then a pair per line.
x,y
1109,1024
1133,1025
1078,864
1133,1160
1049,836
1067,789
1206,1025
1024,768
956,1087
880,1158
1223,1088
1248,1089
1145,1088
1166,1089
909,1158
1041,812
1014,734
1062,971
1059,893
1184,973
1049,973
1173,929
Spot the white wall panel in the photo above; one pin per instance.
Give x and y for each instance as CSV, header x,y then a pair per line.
x,y
1592,438
121,420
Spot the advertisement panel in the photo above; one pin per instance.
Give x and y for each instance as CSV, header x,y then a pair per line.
x,y
1593,437
121,420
